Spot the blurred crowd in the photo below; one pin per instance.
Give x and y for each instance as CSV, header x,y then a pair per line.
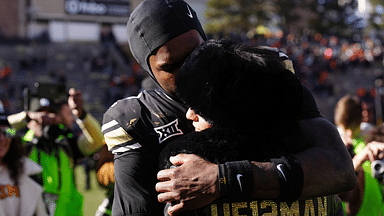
x,y
315,57
39,151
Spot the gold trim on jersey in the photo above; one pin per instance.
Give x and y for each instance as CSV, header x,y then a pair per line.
x,y
116,137
110,124
271,208
289,65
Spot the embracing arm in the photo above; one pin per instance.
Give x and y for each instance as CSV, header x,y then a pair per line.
x,y
327,166
327,169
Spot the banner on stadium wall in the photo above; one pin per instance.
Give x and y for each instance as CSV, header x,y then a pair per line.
x,y
98,7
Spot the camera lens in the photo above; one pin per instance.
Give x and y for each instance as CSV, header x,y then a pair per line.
x,y
377,167
51,132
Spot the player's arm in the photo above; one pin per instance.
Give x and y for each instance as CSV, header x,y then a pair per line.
x,y
105,167
327,169
327,166
135,166
135,179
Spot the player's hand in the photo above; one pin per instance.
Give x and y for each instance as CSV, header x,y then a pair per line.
x,y
76,102
191,185
105,175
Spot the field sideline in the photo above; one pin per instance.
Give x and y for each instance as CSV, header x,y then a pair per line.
x,y
92,198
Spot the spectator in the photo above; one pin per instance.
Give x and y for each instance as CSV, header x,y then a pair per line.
x,y
55,142
366,198
20,194
368,122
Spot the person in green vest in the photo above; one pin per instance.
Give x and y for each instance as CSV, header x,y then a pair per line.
x,y
367,197
56,138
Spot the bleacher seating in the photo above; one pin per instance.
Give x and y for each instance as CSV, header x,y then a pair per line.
x,y
92,67
55,62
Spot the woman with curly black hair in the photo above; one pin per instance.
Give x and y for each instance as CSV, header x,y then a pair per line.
x,y
243,102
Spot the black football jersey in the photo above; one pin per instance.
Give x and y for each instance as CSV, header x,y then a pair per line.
x,y
136,129
150,119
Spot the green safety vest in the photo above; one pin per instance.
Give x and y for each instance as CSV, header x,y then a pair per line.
x,y
372,203
58,178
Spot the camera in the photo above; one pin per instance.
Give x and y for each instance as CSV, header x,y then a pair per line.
x,y
51,91
52,94
377,167
52,137
52,132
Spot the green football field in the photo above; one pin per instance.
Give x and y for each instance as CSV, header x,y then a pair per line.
x,y
93,197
